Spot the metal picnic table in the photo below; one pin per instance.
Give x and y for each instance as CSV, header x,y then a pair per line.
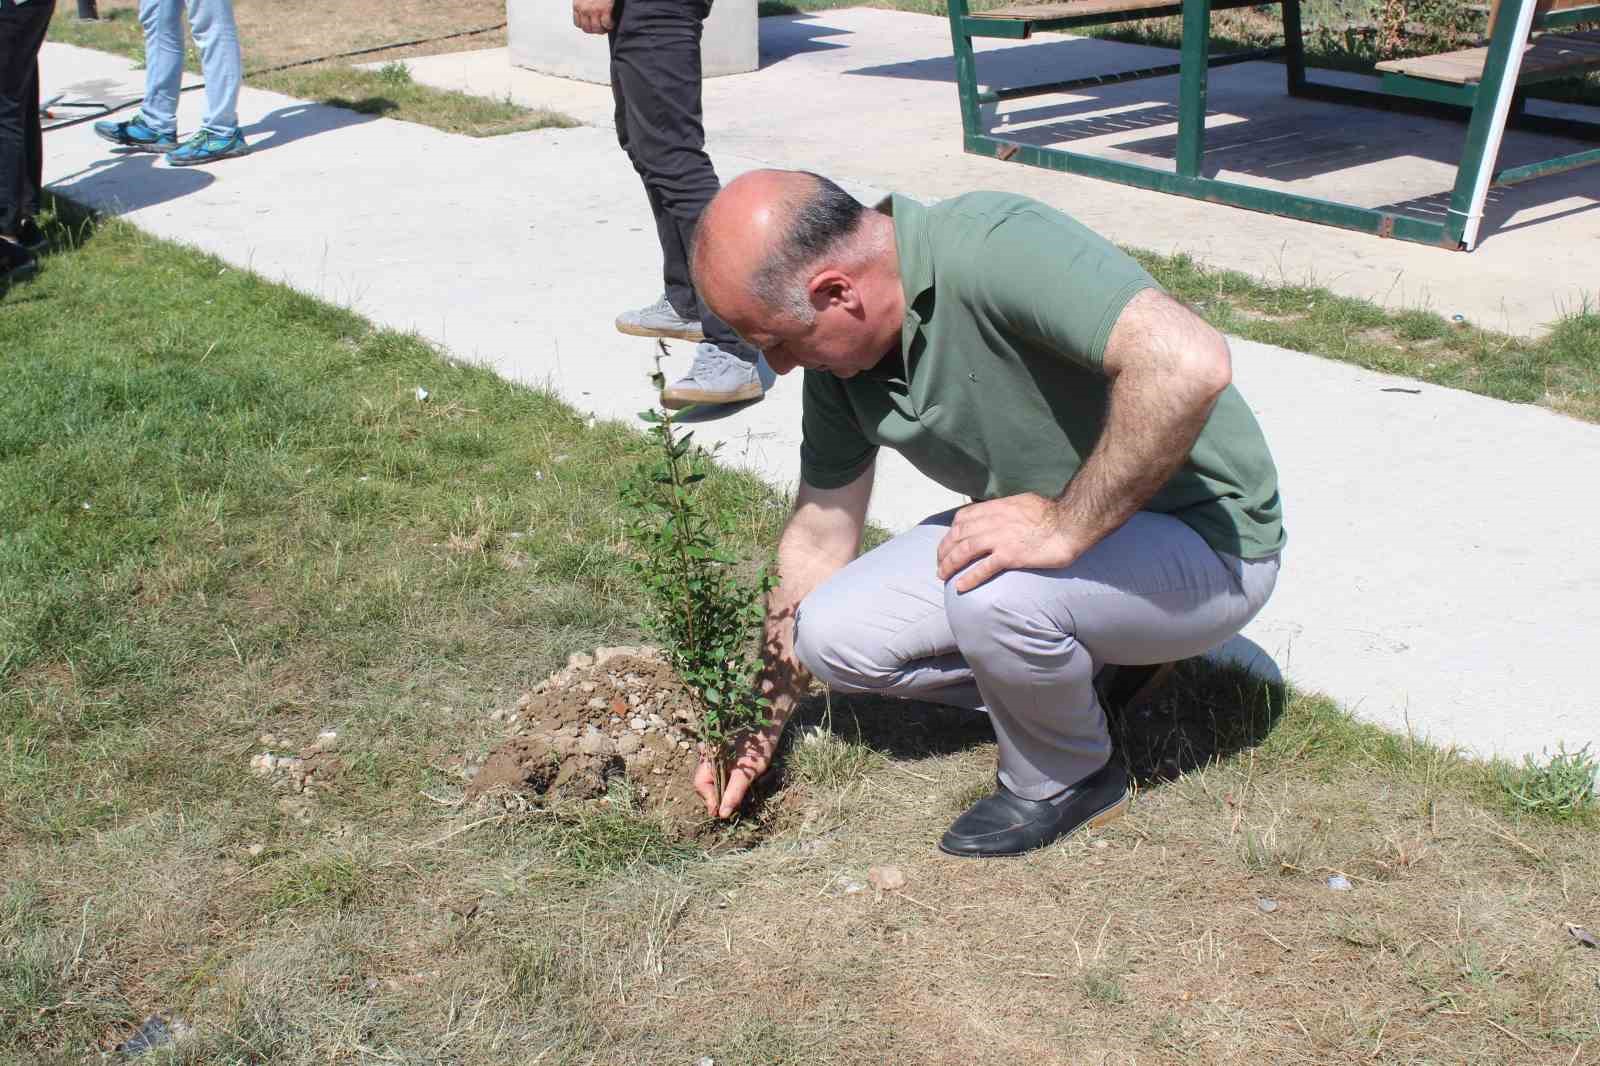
x,y
1482,86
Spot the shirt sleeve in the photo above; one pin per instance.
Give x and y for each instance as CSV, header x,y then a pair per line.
x,y
833,449
1050,278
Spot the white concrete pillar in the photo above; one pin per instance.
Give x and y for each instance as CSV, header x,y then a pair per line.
x,y
543,38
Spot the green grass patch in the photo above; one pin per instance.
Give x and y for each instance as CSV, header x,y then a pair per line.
x,y
1560,370
387,92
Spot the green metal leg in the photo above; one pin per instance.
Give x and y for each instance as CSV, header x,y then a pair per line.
x,y
966,69
1294,47
1192,86
1489,115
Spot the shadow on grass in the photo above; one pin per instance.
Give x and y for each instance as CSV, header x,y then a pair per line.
x,y
1209,711
367,105
68,226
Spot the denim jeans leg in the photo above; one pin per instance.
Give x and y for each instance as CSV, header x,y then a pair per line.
x,y
215,33
163,60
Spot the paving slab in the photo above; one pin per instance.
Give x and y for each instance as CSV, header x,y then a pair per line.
x,y
1436,576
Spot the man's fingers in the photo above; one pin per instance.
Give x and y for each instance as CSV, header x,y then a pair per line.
x,y
738,784
978,573
961,553
705,784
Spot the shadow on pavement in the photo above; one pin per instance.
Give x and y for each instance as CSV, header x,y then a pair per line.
x,y
793,34
128,181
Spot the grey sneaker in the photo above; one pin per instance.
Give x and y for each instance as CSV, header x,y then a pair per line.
x,y
716,377
660,320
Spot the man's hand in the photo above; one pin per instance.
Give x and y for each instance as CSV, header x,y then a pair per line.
x,y
592,16
752,754
1025,532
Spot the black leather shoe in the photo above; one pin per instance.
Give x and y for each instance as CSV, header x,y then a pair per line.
x,y
31,237
1004,823
15,263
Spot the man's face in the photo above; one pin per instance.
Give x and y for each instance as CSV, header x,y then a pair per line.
x,y
837,339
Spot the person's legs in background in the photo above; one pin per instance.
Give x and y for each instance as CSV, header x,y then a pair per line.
x,y
163,62
22,31
655,79
222,65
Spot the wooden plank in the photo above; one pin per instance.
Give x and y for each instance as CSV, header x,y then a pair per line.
x,y
1545,55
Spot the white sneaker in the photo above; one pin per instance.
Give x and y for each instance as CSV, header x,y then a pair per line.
x,y
717,376
659,320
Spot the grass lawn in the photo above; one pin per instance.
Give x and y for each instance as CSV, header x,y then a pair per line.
x,y
226,514
277,32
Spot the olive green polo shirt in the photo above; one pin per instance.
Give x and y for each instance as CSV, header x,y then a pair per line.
x,y
999,389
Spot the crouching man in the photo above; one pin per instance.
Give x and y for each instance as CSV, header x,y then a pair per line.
x,y
1126,506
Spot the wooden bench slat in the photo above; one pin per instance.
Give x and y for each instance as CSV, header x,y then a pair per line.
x,y
1552,53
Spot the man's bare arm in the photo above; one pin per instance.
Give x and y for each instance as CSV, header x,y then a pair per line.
x,y
1167,368
821,537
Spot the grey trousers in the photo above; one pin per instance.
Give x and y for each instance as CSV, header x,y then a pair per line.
x,y
1025,646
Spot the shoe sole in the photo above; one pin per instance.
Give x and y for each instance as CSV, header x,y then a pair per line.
x,y
681,398
171,162
1094,821
665,334
149,149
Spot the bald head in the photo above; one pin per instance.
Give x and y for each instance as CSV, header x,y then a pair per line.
x,y
768,231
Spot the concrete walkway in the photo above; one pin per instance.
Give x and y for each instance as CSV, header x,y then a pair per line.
x,y
870,95
1436,576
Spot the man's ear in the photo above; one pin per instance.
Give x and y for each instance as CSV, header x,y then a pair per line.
x,y
834,288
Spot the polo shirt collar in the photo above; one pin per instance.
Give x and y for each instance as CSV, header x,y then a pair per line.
x,y
910,241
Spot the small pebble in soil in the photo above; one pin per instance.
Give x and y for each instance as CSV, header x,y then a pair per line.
x,y
1339,883
1267,905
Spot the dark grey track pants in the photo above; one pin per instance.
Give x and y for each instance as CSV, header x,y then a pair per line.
x,y
1025,646
22,30
655,81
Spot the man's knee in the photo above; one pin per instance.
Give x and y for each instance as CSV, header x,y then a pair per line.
x,y
1003,604
835,648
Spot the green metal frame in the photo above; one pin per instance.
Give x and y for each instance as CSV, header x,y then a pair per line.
x,y
1474,103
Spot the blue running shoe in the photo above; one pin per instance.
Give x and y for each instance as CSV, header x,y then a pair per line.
x,y
136,135
208,147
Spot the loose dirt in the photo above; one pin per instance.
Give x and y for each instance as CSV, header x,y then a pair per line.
x,y
620,714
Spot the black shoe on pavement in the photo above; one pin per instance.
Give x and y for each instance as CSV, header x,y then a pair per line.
x,y
16,262
1003,823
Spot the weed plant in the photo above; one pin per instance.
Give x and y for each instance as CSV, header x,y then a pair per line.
x,y
708,617
1559,787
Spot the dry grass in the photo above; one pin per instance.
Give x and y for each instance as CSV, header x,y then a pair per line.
x,y
284,540
273,32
